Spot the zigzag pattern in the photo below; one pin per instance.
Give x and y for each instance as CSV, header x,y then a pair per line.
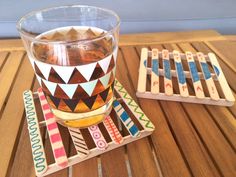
x,y
145,122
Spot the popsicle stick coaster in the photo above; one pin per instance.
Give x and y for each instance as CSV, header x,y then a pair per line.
x,y
198,76
131,116
39,158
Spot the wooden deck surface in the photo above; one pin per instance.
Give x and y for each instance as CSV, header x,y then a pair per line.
x,y
189,140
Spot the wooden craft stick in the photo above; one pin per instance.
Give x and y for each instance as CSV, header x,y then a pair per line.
x,y
79,142
155,75
112,130
133,106
53,132
207,76
143,71
39,159
98,138
167,74
195,77
180,74
126,120
222,80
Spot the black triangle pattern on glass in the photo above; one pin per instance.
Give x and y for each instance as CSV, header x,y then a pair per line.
x,y
71,103
104,94
90,101
76,77
98,72
38,72
54,77
56,101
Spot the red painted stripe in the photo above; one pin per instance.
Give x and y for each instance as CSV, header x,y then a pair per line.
x,y
52,126
59,152
42,97
49,115
46,106
55,138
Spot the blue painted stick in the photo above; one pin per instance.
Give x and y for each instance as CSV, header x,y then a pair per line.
x,y
195,77
180,74
126,120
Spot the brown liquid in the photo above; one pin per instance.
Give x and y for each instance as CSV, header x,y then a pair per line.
x,y
76,49
73,52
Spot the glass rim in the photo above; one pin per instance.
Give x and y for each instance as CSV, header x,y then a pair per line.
x,y
38,40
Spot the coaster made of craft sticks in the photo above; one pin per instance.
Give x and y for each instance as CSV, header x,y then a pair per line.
x,y
125,124
209,72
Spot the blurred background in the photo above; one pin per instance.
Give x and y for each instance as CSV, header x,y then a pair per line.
x,y
138,16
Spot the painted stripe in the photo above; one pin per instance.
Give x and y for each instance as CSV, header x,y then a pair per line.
x,y
56,141
98,138
133,106
112,130
193,70
205,69
195,77
39,158
167,73
59,152
126,120
79,142
180,74
55,138
52,125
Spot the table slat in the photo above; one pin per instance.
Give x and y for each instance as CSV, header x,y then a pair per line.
x,y
12,115
8,74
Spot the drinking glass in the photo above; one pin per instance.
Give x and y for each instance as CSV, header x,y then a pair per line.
x,y
73,51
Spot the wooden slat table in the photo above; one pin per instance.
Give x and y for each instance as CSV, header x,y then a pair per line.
x,y
189,140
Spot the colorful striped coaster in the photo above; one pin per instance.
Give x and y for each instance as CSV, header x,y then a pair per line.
x,y
89,142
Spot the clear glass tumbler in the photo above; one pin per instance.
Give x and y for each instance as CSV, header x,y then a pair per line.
x,y
73,51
